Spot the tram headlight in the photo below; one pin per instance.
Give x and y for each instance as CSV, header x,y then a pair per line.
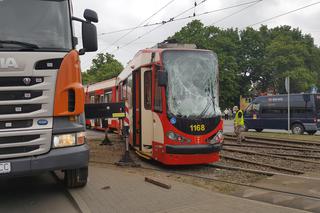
x,y
218,138
172,136
175,137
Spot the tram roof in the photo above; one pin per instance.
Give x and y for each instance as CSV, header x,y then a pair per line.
x,y
107,84
144,57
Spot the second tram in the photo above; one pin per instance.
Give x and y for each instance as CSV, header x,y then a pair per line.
x,y
172,103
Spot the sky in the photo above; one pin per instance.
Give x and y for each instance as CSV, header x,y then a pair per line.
x,y
122,14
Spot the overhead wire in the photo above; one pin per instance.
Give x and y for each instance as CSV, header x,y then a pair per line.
x,y
187,17
139,25
236,12
183,18
161,24
282,14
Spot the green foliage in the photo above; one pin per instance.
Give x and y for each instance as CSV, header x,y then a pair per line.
x,y
254,61
103,67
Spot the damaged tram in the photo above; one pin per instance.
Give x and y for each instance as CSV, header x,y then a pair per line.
x,y
172,102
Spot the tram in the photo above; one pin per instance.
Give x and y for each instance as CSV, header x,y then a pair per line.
x,y
171,93
102,92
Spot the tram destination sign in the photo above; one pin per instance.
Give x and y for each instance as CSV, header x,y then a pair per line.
x,y
105,110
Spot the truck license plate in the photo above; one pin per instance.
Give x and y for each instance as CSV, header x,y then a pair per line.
x,y
5,168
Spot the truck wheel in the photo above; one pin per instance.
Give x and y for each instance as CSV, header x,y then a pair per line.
x,y
312,132
259,130
76,177
297,129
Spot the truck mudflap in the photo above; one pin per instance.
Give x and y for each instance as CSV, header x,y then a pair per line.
x,y
56,159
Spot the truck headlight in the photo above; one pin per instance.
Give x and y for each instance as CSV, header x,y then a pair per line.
x,y
67,140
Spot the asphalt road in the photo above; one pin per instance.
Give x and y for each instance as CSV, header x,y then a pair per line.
x,y
34,194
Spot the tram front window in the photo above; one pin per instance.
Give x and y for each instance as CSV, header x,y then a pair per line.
x,y
192,90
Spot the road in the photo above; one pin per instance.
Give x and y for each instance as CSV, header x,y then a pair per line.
x,y
34,194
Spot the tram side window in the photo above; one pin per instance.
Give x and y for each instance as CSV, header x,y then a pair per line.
x,y
157,96
124,91
129,90
147,90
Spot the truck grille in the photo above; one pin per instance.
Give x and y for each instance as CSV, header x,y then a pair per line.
x,y
24,101
19,95
15,124
19,109
18,150
18,139
24,143
20,81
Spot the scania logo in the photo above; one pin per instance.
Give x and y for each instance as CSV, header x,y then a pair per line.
x,y
27,81
7,63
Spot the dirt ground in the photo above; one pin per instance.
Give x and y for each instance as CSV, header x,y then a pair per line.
x,y
107,155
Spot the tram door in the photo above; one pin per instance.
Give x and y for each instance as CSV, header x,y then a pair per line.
x,y
146,110
136,109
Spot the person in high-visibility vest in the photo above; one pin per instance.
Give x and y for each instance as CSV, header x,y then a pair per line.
x,y
239,124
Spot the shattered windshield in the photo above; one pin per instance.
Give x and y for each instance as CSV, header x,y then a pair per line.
x,y
192,83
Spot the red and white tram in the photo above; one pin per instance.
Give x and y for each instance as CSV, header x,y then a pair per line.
x,y
172,104
102,92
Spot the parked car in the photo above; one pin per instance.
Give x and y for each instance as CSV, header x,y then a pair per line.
x,y
271,112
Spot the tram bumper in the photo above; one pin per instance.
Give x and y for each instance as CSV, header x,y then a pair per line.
x,y
186,154
193,149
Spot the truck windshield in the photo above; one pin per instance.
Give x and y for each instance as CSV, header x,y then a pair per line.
x,y
192,90
35,24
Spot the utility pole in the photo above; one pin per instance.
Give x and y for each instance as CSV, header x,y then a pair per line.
x,y
287,85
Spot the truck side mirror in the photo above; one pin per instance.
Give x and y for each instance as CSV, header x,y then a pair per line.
x,y
162,77
89,37
90,16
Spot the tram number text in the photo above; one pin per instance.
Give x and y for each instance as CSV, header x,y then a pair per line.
x,y
197,128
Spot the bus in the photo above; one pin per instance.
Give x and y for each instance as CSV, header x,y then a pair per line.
x,y
171,93
42,125
271,112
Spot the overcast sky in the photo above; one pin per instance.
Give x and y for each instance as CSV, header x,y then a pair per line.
x,y
121,14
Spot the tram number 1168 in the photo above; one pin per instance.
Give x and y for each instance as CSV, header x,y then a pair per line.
x,y
197,128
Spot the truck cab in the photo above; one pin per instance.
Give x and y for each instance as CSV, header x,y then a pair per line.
x,y
42,125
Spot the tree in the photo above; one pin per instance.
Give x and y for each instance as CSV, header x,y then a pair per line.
x,y
254,61
103,67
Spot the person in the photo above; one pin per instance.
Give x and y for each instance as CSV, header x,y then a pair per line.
x,y
239,124
230,114
226,114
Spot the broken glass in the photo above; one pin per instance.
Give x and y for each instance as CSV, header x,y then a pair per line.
x,y
192,89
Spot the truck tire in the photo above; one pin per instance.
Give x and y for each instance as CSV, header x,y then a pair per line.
x,y
297,129
76,177
259,130
312,132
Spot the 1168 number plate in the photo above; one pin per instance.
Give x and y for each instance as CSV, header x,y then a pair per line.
x,y
5,168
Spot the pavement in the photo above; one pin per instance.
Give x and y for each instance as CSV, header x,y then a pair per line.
x,y
114,190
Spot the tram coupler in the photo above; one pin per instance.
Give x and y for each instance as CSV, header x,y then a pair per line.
x,y
126,160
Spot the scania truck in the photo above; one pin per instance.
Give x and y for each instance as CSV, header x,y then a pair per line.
x,y
42,124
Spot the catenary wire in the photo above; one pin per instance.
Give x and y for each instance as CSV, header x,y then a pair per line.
x,y
139,25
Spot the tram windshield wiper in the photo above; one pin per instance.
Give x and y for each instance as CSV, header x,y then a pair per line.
x,y
20,43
